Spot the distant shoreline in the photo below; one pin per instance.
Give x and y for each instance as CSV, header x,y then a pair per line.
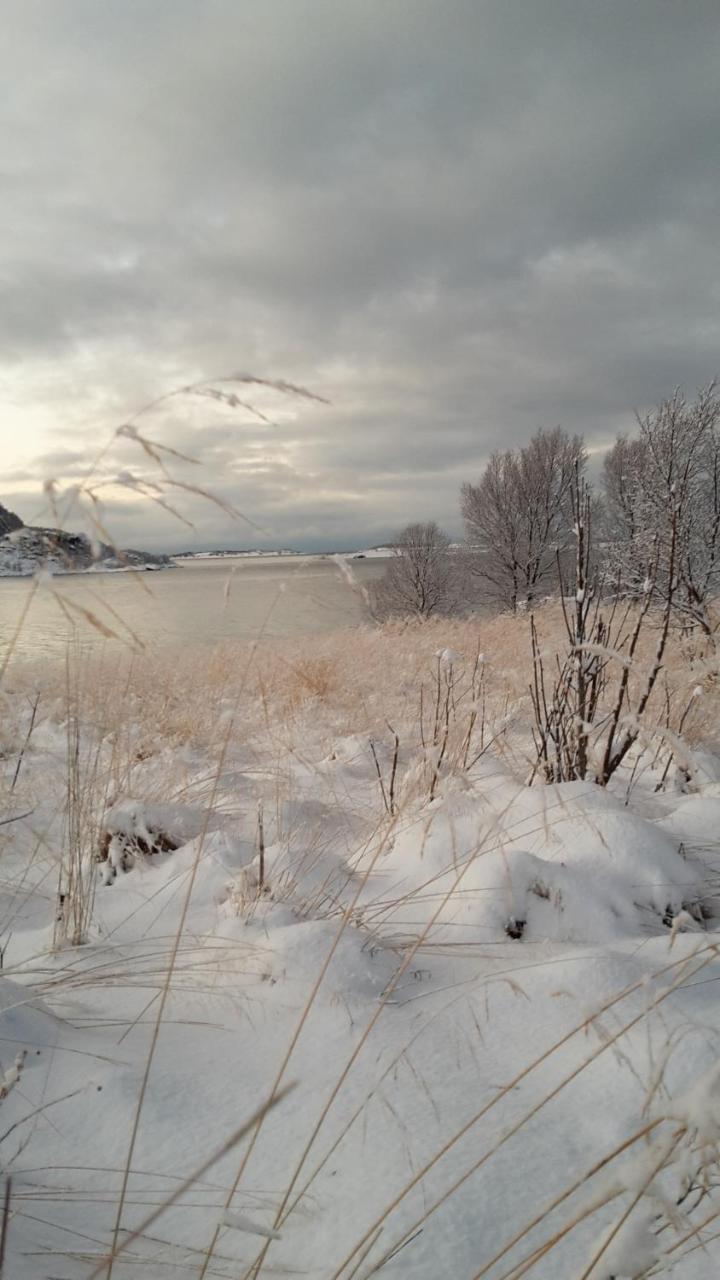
x,y
92,572
178,560
368,553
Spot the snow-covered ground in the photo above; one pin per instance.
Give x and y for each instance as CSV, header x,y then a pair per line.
x,y
496,1005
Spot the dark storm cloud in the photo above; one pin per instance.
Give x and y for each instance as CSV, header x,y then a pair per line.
x,y
459,221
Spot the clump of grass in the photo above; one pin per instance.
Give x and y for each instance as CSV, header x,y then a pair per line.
x,y
312,676
85,776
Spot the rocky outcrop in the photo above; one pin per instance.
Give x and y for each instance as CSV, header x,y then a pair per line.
x,y
9,522
25,548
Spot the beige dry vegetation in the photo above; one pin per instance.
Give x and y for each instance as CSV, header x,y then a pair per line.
x,y
356,682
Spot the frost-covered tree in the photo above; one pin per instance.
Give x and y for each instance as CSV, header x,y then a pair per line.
x,y
419,577
664,485
518,516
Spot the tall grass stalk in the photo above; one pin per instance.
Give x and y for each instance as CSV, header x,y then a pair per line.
x,y
77,877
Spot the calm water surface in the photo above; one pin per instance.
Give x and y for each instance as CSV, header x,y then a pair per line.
x,y
200,602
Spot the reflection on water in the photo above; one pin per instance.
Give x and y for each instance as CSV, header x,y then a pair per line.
x,y
199,603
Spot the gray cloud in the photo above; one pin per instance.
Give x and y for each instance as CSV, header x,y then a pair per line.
x,y
459,221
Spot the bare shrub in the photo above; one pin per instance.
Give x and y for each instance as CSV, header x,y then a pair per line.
x,y
590,716
452,733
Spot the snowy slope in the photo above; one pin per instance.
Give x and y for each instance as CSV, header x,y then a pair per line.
x,y
478,1001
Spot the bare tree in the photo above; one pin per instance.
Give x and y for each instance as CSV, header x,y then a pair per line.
x,y
662,487
518,516
419,578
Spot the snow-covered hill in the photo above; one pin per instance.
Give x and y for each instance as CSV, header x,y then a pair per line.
x,y
25,549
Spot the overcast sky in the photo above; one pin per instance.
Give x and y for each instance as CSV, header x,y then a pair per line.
x,y
458,220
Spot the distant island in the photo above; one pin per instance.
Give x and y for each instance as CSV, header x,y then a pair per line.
x,y
24,549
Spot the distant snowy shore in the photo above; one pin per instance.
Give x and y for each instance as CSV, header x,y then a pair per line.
x,y
370,554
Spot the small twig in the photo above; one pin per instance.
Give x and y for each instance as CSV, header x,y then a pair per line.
x,y
261,846
380,777
5,1221
25,744
5,822
393,770
38,1111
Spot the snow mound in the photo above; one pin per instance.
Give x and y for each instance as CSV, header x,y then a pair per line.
x,y
632,1251
313,881
695,821
135,828
294,950
138,820
592,873
25,1022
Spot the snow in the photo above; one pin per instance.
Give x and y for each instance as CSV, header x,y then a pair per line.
x,y
489,991
631,1252
448,657
568,861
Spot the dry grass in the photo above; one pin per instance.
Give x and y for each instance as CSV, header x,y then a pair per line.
x,y
359,682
